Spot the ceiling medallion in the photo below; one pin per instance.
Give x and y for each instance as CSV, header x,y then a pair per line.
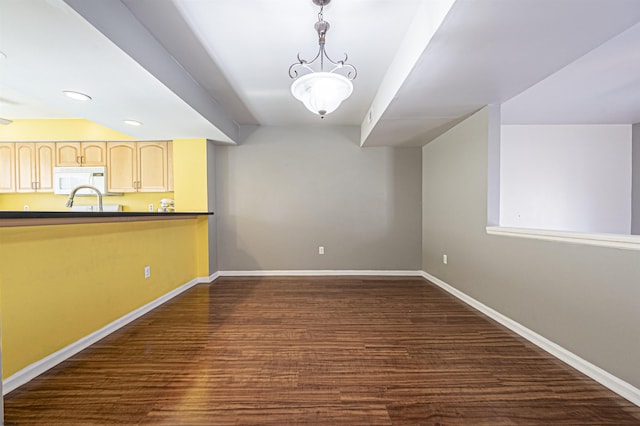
x,y
322,91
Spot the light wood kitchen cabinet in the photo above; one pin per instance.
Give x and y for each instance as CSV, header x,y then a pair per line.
x,y
153,166
74,154
7,167
121,166
138,166
34,162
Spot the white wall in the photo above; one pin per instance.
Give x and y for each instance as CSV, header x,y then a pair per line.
x,y
566,177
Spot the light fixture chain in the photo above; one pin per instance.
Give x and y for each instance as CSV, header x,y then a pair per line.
x,y
322,57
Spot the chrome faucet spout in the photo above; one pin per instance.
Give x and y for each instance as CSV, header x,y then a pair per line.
x,y
69,202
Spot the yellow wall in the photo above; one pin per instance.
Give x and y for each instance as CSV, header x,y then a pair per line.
x,y
75,129
61,283
131,202
190,186
190,174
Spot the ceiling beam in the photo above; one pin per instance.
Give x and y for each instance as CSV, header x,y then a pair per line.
x,y
114,20
426,22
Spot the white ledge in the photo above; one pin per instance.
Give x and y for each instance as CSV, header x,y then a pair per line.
x,y
626,242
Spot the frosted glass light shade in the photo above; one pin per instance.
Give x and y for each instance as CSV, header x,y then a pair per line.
x,y
322,92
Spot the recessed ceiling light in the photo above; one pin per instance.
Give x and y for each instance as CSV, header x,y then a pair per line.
x,y
132,122
76,95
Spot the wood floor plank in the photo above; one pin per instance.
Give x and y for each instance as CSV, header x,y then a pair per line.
x,y
315,350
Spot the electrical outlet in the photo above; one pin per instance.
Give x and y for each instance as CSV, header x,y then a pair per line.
x,y
444,259
147,271
150,207
321,250
25,208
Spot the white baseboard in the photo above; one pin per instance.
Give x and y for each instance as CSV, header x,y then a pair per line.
x,y
209,279
33,370
310,273
601,376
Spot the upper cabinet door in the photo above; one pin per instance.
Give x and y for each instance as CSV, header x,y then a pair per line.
x,y
25,167
94,154
68,154
34,166
45,160
137,166
7,167
122,160
74,154
152,167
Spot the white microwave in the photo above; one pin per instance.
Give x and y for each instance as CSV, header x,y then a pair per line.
x,y
67,178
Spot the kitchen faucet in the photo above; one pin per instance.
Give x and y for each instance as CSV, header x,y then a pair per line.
x,y
69,202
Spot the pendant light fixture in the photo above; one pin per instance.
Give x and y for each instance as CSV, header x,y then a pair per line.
x,y
322,91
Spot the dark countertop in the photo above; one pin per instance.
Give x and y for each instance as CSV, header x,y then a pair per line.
x,y
39,214
33,218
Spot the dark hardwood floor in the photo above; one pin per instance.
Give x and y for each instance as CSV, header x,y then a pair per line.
x,y
324,351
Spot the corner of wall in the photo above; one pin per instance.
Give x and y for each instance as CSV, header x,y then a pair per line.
x,y
635,179
493,172
212,207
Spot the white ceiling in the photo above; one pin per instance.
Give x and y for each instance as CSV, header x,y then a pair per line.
x,y
194,68
255,47
603,87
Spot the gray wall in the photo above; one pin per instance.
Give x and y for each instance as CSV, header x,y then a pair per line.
x,y
211,206
635,181
287,190
583,298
